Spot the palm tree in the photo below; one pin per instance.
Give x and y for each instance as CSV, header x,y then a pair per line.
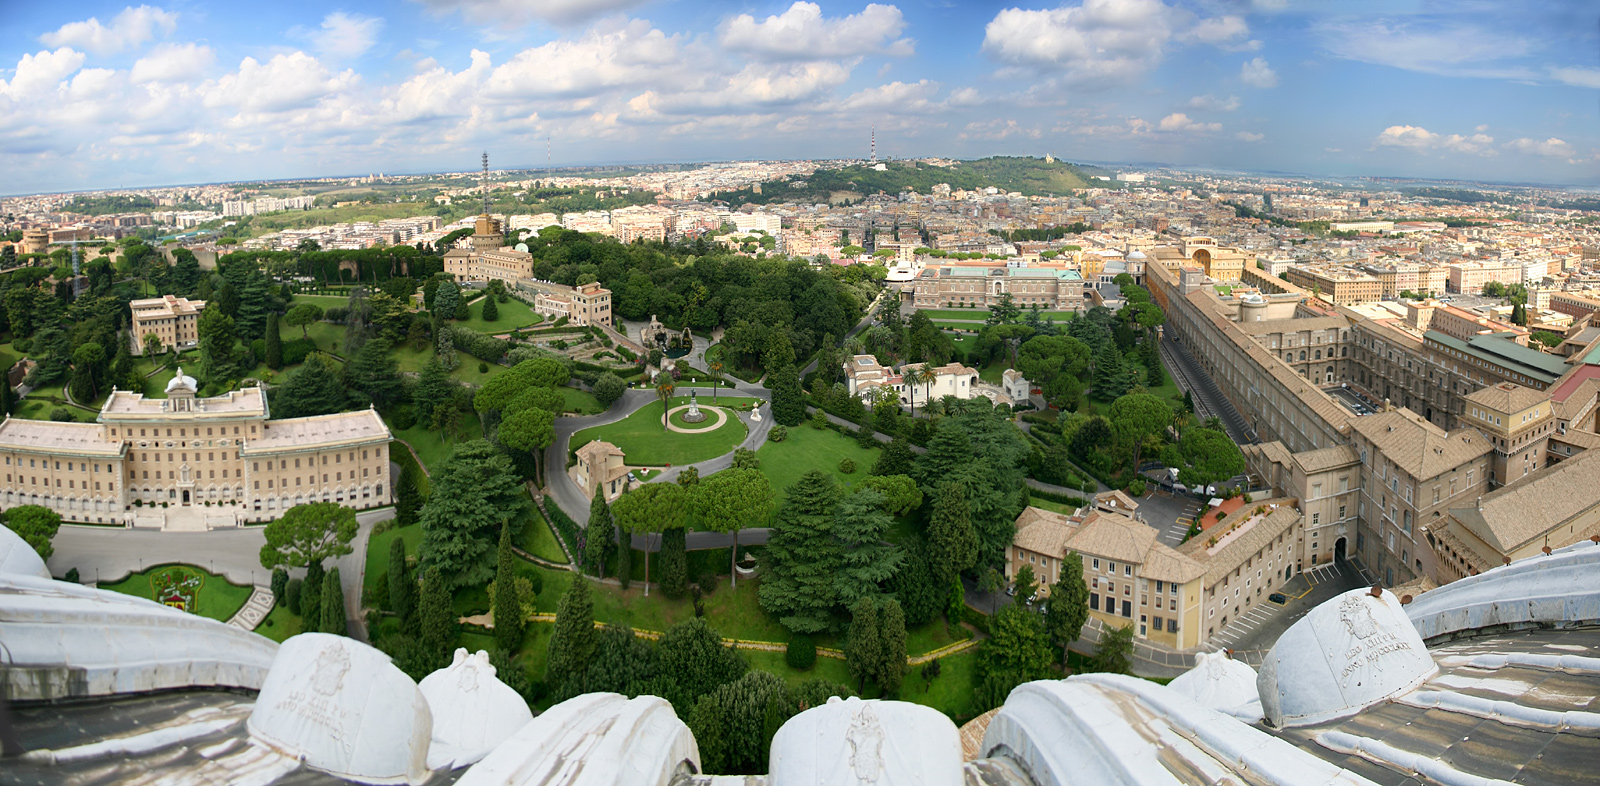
x,y
664,388
715,367
927,376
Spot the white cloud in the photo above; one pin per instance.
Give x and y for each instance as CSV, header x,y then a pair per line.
x,y
1481,128
1424,141
286,82
1247,136
1228,32
521,12
1101,42
802,33
996,129
629,54
895,97
1577,77
172,63
1180,122
39,74
1257,73
1211,103
128,29
1425,46
345,36
1551,148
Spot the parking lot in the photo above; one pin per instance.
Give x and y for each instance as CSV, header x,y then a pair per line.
x,y
1256,630
1169,514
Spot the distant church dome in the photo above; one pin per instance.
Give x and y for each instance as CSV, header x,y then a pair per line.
x,y
1136,254
181,381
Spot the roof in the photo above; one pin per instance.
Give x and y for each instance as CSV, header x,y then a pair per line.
x,y
123,405
1535,505
1507,397
1293,325
598,449
318,430
47,435
1420,448
1105,535
1234,546
1497,348
1327,458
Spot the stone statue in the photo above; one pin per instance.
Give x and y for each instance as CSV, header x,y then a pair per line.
x,y
694,415
755,412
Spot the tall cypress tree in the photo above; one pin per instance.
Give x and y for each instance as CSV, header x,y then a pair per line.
x,y
438,621
333,618
491,312
508,621
311,599
274,343
788,402
674,563
402,587
600,535
572,645
952,542
408,498
625,560
892,639
864,649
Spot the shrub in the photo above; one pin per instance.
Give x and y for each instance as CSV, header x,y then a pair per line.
x,y
291,595
483,368
801,653
1136,488
707,582
1221,515
778,433
404,418
72,576
847,466
280,584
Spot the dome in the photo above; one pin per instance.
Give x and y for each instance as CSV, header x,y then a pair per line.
x,y
472,711
180,381
1222,684
341,707
1136,254
18,558
523,247
1347,654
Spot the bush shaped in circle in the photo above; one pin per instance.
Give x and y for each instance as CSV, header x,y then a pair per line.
x,y
778,433
801,653
847,466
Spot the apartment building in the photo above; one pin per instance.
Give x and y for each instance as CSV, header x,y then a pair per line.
x,y
1468,278
1317,348
1341,286
589,304
184,451
950,286
174,320
1543,511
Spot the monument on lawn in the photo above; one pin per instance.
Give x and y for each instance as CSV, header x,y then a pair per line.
x,y
694,415
755,411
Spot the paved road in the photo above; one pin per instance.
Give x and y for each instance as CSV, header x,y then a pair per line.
x,y
1255,630
108,554
1169,514
1208,398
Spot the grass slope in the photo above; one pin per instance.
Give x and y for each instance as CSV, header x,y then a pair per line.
x,y
808,448
642,438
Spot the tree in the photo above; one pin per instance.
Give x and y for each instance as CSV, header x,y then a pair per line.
x,y
35,524
892,641
529,430
689,477
88,359
745,458
664,389
445,299
715,367
866,559
1206,456
375,372
1025,583
1115,653
402,586
333,619
730,723
280,585
152,345
797,577
408,498
1017,651
695,659
864,649
952,542
491,312
921,597
274,357
599,537
788,402
1067,608
437,619
1112,376
308,534
311,598
312,389
608,388
949,449
900,492
674,563
303,315
896,458
508,619
731,500
1137,417
435,387
218,357
474,492
990,583
572,645
653,507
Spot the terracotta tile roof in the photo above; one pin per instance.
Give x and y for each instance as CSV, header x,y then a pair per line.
x,y
1253,535
1507,397
1536,506
1104,535
1327,458
1418,447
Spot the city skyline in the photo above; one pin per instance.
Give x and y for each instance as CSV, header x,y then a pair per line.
x,y
110,95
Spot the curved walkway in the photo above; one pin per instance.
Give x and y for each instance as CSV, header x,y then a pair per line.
x,y
722,417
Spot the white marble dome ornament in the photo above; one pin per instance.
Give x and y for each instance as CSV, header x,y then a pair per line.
x,y
473,711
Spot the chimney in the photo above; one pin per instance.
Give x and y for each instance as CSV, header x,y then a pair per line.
x,y
1386,406
1480,504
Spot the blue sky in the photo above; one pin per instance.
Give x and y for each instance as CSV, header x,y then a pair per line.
x,y
101,95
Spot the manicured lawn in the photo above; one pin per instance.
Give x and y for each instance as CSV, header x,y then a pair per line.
x,y
992,372
378,552
809,448
934,635
327,336
1056,507
431,446
945,324
412,360
538,540
950,692
280,624
35,407
216,598
324,302
646,443
397,450
580,401
514,314
831,669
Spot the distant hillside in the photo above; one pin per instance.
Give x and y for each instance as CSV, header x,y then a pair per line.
x,y
1030,176
1450,194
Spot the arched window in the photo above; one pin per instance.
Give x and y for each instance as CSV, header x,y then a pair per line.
x,y
1302,354
1319,354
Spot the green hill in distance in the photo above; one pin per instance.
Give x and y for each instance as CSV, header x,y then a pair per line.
x,y
1030,176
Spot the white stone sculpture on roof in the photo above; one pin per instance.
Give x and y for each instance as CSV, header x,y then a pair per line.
x,y
180,380
1222,684
18,558
341,707
597,739
852,741
472,710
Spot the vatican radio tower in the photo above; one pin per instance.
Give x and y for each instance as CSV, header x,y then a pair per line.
x,y
874,144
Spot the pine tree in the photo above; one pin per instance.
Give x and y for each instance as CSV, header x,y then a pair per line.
x,y
599,536
438,619
311,599
1067,608
280,585
896,458
788,402
625,560
892,662
948,450
866,560
508,621
491,312
952,542
462,313
797,583
333,620
864,649
274,343
474,493
402,587
408,498
1112,377
572,645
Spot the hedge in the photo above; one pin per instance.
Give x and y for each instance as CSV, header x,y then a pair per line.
x,y
1063,499
565,527
478,345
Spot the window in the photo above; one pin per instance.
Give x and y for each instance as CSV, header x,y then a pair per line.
x,y
1097,563
1127,570
1094,601
1316,519
1172,625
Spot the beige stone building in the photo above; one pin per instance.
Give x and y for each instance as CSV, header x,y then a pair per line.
x,y
224,453
1341,286
589,304
602,467
488,258
1550,509
174,320
1223,264
951,286
1327,482
1518,422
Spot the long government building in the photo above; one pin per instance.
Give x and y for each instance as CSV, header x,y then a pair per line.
x,y
224,452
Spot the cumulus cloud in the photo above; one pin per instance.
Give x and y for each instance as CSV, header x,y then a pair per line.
x,y
521,12
1577,77
1180,122
128,29
172,63
1229,32
1424,141
1103,42
1247,136
38,74
1211,103
996,129
292,81
629,54
1550,148
895,97
803,33
344,35
1256,73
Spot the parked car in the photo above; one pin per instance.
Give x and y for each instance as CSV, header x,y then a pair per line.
x,y
1278,598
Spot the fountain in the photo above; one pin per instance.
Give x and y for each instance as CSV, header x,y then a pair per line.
x,y
694,415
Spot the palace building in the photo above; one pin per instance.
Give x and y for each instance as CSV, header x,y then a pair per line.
x,y
174,320
223,452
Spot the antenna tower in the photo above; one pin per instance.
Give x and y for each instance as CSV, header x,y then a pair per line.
x,y
77,280
874,144
547,152
483,183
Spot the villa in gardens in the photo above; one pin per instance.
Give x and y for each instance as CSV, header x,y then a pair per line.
x,y
185,451
863,374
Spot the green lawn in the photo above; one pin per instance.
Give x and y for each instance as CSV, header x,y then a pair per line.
x,y
378,552
944,324
809,448
646,443
982,314
325,302
1056,507
579,401
992,372
514,314
950,692
831,669
412,360
327,336
431,446
216,599
280,624
537,539
397,451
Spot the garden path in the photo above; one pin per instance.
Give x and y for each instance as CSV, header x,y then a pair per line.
x,y
255,609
